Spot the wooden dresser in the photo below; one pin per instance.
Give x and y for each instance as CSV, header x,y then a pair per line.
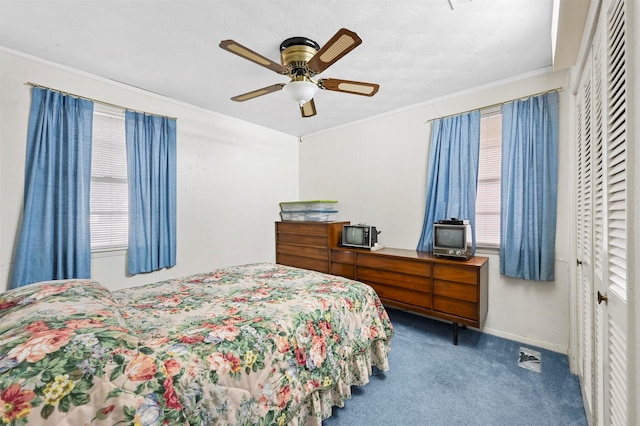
x,y
307,244
451,290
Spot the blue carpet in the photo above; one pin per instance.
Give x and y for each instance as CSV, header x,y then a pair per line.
x,y
477,382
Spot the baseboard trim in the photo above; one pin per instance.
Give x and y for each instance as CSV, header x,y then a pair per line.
x,y
563,349
554,347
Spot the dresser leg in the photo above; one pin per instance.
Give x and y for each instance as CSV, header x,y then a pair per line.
x,y
455,333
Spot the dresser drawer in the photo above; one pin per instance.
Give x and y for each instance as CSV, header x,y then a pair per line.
x,y
343,256
459,308
303,239
461,274
388,263
454,290
393,279
403,295
303,262
347,270
303,228
303,251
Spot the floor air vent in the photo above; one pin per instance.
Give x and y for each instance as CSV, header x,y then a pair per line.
x,y
530,359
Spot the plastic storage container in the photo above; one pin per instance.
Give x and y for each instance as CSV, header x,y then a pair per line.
x,y
310,216
309,206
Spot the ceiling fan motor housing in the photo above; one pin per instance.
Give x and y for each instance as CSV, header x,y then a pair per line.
x,y
295,52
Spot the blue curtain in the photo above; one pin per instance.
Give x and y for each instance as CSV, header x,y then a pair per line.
x,y
453,173
151,165
529,187
54,240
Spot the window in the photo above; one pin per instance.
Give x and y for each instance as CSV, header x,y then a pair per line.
x,y
488,198
109,188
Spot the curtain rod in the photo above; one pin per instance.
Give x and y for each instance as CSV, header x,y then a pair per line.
x,y
557,89
94,100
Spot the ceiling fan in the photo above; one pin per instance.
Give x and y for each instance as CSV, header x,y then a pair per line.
x,y
301,60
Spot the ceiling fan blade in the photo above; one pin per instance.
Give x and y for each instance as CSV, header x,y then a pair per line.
x,y
246,53
259,92
348,86
308,109
343,42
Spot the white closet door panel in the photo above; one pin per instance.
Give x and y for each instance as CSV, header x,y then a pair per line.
x,y
605,273
615,308
584,233
599,216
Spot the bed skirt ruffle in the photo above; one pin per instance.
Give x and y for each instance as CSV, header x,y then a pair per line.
x,y
319,404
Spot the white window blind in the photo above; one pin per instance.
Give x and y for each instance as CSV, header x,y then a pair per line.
x,y
488,198
109,191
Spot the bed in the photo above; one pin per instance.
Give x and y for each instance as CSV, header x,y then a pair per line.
x,y
250,344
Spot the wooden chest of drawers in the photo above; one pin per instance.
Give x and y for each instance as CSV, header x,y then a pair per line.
x,y
452,290
307,244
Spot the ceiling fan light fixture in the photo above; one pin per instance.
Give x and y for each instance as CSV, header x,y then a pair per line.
x,y
301,91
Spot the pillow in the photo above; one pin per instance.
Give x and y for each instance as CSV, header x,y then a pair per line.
x,y
48,298
68,357
42,318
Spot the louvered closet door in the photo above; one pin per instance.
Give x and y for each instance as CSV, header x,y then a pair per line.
x,y
602,274
615,309
584,234
598,121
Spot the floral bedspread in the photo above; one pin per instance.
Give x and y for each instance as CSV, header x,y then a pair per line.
x,y
244,345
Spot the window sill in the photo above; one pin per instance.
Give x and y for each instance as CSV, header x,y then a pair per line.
x,y
495,250
108,252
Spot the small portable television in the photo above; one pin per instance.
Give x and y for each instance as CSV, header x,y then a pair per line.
x,y
361,236
452,238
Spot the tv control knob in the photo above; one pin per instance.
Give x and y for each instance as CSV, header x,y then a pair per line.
x,y
451,252
458,252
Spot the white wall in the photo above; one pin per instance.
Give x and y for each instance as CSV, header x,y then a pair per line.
x,y
231,174
377,170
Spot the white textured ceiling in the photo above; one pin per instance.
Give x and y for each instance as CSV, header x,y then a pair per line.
x,y
416,50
